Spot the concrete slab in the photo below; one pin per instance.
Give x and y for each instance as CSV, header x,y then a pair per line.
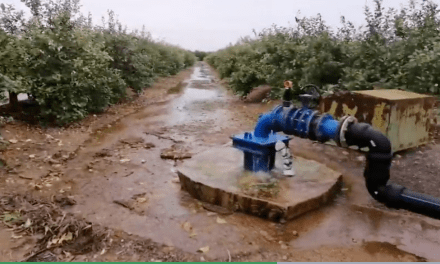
x,y
217,177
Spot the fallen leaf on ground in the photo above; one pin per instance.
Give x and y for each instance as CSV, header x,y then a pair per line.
x,y
13,141
187,226
192,235
124,203
28,223
203,249
141,200
46,229
25,177
53,242
66,237
124,160
221,221
175,180
9,217
266,235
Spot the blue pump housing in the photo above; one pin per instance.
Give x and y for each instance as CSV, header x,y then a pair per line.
x,y
259,153
259,146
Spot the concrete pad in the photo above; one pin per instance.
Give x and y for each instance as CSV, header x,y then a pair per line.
x,y
217,177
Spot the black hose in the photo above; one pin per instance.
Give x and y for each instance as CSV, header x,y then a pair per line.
x,y
377,173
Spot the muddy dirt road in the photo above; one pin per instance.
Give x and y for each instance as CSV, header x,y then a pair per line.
x,y
116,172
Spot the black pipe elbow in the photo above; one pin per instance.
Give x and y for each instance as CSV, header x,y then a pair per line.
x,y
377,173
364,135
390,195
377,170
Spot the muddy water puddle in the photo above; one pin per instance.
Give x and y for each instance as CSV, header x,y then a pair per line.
x,y
348,226
139,190
136,191
197,105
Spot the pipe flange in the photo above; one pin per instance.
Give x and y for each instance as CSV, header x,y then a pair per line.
x,y
346,120
310,121
288,116
300,123
318,125
296,120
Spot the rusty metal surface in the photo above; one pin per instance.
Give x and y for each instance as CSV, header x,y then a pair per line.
x,y
405,118
392,94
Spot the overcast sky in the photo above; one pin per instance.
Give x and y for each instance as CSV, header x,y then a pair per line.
x,y
209,25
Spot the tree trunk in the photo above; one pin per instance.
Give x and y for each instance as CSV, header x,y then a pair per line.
x,y
13,100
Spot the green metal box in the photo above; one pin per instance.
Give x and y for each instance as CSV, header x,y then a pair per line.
x,y
406,118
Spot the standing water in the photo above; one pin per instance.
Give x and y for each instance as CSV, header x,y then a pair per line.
x,y
199,96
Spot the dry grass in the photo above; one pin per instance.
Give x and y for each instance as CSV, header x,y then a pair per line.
x,y
29,216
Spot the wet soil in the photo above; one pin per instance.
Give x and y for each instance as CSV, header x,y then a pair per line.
x,y
107,171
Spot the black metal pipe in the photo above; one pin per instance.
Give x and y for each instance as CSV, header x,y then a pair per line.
x,y
377,173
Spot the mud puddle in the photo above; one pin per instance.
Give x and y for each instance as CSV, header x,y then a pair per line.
x,y
140,191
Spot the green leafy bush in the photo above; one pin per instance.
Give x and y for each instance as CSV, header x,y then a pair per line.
x,y
395,49
72,68
13,63
69,72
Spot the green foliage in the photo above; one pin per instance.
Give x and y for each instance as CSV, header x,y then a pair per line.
x,y
12,63
394,50
129,60
72,68
69,72
201,54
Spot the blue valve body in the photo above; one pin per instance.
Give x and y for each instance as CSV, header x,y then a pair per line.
x,y
259,146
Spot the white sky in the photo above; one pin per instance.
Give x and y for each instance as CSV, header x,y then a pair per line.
x,y
209,25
